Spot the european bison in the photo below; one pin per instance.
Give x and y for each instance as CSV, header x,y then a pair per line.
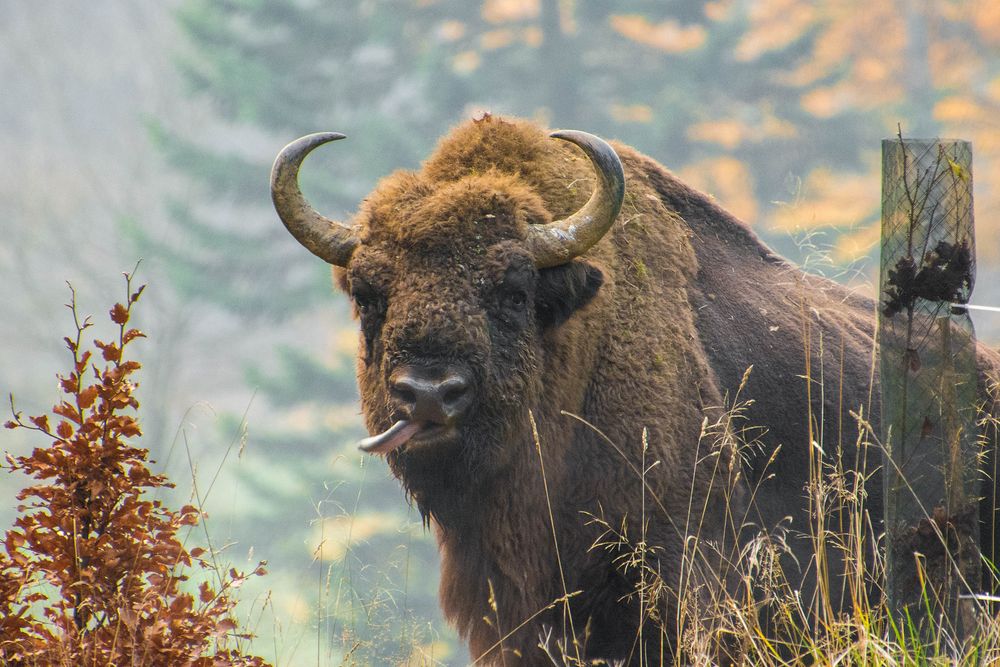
x,y
519,346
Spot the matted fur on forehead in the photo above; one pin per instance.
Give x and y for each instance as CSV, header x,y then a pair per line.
x,y
558,172
481,210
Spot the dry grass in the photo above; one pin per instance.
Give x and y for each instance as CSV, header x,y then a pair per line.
x,y
737,600
762,617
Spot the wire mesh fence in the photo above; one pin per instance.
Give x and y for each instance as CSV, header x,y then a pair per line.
x,y
928,379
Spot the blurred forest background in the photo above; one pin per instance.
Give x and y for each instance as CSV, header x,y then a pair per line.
x,y
146,130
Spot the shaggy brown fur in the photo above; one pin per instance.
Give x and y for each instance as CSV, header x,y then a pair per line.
x,y
647,330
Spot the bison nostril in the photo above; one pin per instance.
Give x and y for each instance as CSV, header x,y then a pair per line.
x,y
404,392
430,397
453,391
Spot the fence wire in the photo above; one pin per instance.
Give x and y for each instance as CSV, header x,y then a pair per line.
x,y
928,379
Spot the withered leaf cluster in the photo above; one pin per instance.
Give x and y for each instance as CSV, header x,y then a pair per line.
x,y
945,274
93,571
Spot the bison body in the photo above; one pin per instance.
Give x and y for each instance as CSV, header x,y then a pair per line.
x,y
557,420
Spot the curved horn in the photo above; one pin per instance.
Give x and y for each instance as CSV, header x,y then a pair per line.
x,y
329,240
560,241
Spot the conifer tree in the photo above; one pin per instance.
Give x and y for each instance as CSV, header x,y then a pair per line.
x,y
703,86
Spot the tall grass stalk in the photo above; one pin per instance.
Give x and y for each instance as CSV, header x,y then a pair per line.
x,y
763,619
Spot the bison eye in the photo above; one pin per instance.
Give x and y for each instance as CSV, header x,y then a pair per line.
x,y
365,299
515,299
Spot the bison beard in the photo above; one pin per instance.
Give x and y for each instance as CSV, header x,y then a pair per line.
x,y
494,292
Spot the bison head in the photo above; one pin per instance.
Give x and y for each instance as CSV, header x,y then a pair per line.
x,y
456,283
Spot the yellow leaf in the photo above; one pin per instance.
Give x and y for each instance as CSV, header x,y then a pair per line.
x,y
830,199
728,133
496,39
955,64
718,10
506,11
668,36
450,31
729,181
986,19
333,536
993,89
465,62
532,36
774,24
958,170
828,101
632,113
958,109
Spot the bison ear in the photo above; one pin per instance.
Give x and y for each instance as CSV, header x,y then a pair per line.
x,y
340,279
563,289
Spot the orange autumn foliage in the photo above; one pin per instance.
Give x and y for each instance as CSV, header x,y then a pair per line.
x,y
93,571
896,62
729,180
668,36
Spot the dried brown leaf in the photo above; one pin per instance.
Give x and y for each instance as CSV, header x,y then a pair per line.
x,y
131,335
66,410
64,430
105,552
119,314
87,396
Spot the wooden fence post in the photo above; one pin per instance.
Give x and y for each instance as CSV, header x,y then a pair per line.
x,y
928,378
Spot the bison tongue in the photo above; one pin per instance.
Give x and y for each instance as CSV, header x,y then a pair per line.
x,y
394,437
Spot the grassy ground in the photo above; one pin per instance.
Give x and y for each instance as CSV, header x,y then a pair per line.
x,y
90,575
